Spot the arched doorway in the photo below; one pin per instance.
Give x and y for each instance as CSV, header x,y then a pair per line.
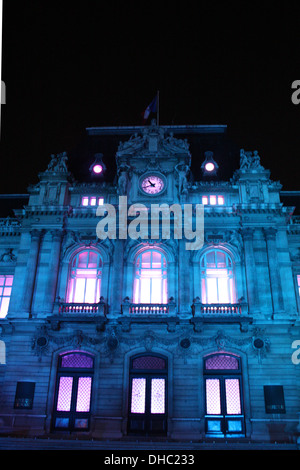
x,y
147,412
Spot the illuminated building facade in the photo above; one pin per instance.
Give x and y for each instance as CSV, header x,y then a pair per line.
x,y
137,335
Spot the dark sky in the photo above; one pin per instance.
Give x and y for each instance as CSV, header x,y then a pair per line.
x,y
71,65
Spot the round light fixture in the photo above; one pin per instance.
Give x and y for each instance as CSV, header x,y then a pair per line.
x,y
97,168
209,167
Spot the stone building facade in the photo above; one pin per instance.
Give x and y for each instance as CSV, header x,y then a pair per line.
x,y
137,335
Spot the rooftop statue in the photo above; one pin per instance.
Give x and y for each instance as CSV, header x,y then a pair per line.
x,y
58,163
249,161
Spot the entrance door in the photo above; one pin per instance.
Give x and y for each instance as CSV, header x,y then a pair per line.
x,y
223,392
148,392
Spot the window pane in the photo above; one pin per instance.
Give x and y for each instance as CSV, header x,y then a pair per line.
x,y
93,259
64,394
156,291
84,394
212,293
145,291
2,278
138,395
233,400
210,259
90,291
204,200
221,259
92,201
82,259
156,259
223,290
213,200
4,306
149,362
213,402
8,280
157,396
77,361
79,290
146,259
222,362
220,200
85,201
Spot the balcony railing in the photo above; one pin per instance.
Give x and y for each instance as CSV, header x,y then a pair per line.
x,y
129,308
200,309
81,308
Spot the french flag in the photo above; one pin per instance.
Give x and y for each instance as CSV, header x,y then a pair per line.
x,y
152,108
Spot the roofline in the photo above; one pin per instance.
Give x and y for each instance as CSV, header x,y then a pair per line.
x,y
178,129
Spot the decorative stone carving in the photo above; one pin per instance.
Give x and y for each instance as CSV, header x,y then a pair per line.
x,y
58,163
250,161
8,256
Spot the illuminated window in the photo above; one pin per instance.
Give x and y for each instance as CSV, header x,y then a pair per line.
x,y
298,283
217,281
73,391
6,282
150,283
223,383
85,278
92,201
213,200
148,392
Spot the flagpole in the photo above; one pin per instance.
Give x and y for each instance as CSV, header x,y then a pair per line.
x,y
157,117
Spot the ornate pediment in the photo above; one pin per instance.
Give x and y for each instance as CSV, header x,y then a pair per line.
x,y
153,140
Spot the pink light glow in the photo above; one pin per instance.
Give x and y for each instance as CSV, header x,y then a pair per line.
x,y
209,166
97,169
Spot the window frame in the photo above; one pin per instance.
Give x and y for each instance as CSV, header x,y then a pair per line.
x,y
224,419
72,277
75,373
229,266
4,296
137,284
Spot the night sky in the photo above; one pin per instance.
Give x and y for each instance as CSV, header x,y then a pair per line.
x,y
71,65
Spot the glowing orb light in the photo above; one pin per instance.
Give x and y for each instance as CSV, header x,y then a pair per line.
x,y
209,166
97,169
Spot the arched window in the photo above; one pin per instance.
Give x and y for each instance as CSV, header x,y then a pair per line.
x,y
223,393
85,277
73,391
217,279
150,281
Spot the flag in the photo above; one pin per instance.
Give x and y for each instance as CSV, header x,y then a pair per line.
x,y
152,108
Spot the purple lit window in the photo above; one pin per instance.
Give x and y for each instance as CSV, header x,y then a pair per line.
x,y
233,400
64,394
213,397
76,360
6,282
84,394
150,284
148,362
85,278
217,281
221,361
138,395
157,396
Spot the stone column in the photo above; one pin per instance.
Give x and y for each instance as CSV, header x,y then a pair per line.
x,y
31,270
184,307
275,281
251,277
53,270
116,287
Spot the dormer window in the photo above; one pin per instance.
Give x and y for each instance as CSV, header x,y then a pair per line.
x,y
90,201
213,200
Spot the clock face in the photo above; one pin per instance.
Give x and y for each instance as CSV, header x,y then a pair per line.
x,y
152,184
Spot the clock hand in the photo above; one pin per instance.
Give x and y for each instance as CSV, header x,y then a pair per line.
x,y
152,184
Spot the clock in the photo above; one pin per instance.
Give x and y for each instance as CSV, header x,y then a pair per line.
x,y
152,184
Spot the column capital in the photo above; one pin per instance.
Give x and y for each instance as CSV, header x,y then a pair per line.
x,y
270,233
247,233
56,234
35,234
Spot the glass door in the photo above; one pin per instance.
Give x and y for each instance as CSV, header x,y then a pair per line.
x,y
147,404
